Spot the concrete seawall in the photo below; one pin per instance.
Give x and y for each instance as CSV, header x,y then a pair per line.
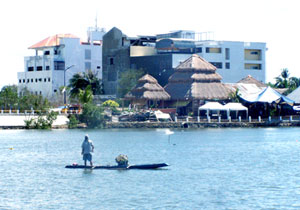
x,y
199,124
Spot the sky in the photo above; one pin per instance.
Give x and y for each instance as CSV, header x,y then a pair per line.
x,y
24,23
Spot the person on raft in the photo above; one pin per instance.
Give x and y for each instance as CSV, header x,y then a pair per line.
x,y
87,148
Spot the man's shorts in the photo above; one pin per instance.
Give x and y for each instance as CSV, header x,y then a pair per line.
x,y
87,157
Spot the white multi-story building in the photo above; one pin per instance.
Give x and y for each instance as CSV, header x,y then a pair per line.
x,y
57,58
234,60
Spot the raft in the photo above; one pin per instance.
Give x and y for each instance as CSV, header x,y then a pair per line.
x,y
116,167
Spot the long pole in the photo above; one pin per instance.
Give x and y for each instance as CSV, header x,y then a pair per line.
x,y
65,89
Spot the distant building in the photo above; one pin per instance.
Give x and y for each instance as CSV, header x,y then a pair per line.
x,y
159,55
44,73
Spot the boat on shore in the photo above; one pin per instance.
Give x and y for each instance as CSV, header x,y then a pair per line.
x,y
118,167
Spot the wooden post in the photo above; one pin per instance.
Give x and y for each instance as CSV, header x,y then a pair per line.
x,y
259,118
249,118
270,118
240,119
198,118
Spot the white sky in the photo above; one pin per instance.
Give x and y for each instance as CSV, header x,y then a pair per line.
x,y
24,23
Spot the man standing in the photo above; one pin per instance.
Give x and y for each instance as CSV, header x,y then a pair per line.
x,y
87,148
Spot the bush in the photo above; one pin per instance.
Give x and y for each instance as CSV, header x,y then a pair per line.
x,y
73,122
92,116
110,104
42,122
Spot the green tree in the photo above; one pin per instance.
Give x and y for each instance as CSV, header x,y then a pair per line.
x,y
86,95
9,97
128,79
110,104
80,81
92,116
235,96
282,80
36,102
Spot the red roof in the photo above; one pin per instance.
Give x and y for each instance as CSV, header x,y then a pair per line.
x,y
51,41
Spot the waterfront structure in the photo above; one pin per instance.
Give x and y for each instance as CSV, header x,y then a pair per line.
x,y
57,58
159,55
148,93
195,81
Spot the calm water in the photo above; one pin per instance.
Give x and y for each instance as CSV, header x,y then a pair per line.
x,y
209,169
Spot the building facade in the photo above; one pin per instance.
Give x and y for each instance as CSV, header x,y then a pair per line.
x,y
57,58
159,55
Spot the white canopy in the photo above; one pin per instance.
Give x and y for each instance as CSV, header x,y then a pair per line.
x,y
212,106
235,107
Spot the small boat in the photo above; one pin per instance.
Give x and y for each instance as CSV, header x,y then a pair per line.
x,y
117,167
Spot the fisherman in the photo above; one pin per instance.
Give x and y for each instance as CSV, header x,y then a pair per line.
x,y
87,148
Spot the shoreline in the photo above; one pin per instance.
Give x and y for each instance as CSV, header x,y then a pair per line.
x,y
185,125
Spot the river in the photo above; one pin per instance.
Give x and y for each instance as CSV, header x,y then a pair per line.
x,y
240,168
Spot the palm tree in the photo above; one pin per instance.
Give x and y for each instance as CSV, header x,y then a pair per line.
x,y
86,96
282,80
80,81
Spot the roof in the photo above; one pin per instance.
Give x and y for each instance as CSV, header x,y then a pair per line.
x,y
268,95
149,89
295,95
195,78
52,41
251,80
212,106
195,62
235,106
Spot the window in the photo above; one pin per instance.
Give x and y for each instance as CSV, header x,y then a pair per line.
x,y
27,80
36,80
30,68
47,52
98,67
39,68
47,68
218,65
252,66
254,53
88,66
45,79
87,54
23,80
20,81
49,79
227,53
227,65
199,50
55,91
40,79
40,92
59,65
213,50
111,61
31,80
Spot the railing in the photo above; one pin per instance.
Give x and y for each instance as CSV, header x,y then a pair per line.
x,y
35,112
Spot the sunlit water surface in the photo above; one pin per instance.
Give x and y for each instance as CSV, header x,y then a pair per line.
x,y
209,169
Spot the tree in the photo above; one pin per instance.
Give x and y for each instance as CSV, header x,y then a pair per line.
x,y
9,97
86,96
80,81
282,80
128,80
92,116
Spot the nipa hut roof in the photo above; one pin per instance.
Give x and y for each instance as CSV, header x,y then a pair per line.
x,y
251,80
196,78
149,89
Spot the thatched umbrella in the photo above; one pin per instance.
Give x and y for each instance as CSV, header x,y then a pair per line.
x,y
147,90
196,79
